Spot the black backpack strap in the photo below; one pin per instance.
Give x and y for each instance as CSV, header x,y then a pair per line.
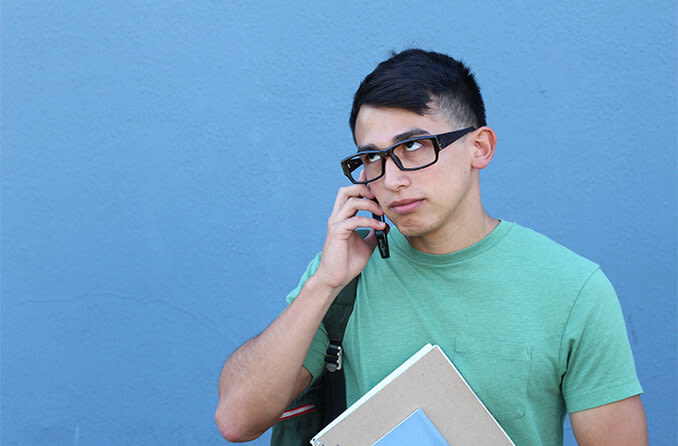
x,y
337,316
335,323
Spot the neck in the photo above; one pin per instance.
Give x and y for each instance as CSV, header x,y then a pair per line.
x,y
457,235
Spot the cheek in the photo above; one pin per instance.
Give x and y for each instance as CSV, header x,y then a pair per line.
x,y
376,188
451,181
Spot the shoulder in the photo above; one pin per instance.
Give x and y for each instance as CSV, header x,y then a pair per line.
x,y
549,271
535,250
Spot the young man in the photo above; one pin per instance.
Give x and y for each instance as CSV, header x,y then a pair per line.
x,y
535,329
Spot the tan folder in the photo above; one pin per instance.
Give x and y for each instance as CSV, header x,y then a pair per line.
x,y
427,381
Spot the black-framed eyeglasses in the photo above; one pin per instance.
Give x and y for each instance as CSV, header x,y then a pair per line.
x,y
410,154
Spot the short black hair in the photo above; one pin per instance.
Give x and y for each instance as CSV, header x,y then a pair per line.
x,y
414,78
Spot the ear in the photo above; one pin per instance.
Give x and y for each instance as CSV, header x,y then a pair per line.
x,y
484,141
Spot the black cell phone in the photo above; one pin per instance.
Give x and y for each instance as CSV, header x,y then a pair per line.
x,y
382,241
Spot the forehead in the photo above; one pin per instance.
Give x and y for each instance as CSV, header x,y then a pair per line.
x,y
380,126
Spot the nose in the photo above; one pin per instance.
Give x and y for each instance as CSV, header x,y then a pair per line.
x,y
394,178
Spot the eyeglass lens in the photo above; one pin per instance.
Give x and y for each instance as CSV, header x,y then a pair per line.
x,y
410,154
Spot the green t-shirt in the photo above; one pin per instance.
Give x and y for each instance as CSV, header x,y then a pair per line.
x,y
536,330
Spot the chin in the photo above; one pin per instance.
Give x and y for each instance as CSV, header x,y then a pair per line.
x,y
412,229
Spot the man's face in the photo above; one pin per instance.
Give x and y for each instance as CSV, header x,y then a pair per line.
x,y
431,202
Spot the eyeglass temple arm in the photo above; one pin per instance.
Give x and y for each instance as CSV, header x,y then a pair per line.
x,y
446,139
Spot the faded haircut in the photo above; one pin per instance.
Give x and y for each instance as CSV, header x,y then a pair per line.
x,y
418,80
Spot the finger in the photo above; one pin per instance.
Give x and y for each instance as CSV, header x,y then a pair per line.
x,y
353,205
348,226
347,192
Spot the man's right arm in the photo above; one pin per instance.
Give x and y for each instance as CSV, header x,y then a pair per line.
x,y
264,375
260,379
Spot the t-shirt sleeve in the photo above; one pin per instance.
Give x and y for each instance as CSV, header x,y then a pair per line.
x,y
315,358
599,365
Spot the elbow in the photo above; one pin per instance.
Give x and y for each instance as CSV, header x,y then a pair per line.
x,y
225,427
232,427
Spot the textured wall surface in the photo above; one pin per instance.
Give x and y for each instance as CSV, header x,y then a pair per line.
x,y
168,168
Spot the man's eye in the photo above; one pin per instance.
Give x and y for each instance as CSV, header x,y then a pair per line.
x,y
412,145
372,158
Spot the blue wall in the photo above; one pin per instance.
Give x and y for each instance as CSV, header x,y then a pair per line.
x,y
168,168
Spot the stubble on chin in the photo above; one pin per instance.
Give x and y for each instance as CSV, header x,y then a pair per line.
x,y
414,228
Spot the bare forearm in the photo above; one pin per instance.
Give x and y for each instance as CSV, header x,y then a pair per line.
x,y
259,379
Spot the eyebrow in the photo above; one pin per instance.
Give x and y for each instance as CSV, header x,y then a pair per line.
x,y
397,138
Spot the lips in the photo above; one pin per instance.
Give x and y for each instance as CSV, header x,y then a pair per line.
x,y
405,206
